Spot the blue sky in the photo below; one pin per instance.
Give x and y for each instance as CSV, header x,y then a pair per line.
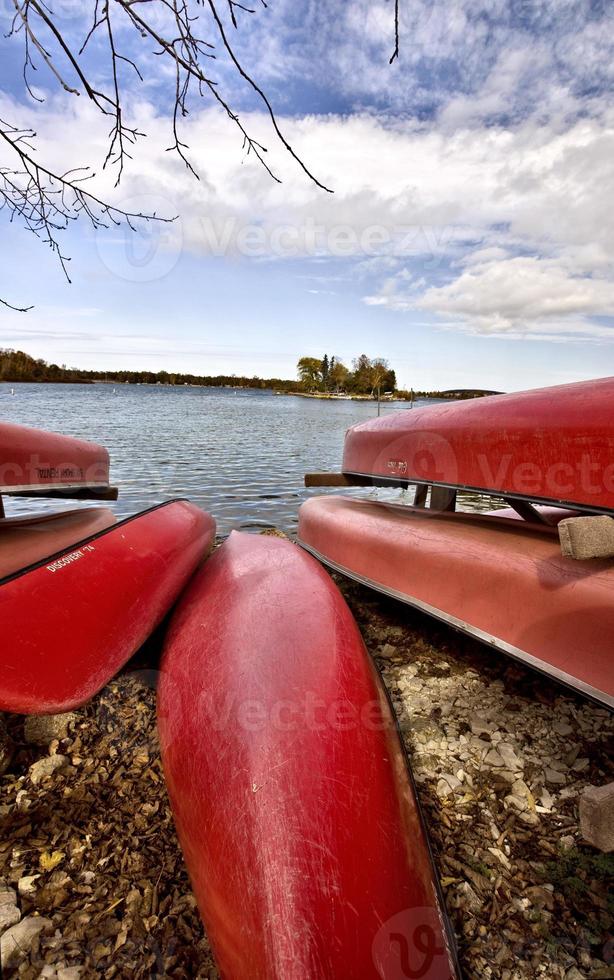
x,y
469,239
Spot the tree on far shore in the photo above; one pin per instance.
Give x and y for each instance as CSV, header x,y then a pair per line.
x,y
330,374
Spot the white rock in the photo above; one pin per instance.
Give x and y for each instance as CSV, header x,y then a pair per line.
x,y
509,757
20,938
46,767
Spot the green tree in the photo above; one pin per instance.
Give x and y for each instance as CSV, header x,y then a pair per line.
x,y
310,372
338,374
325,367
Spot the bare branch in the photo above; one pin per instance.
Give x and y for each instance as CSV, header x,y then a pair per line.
x,y
17,309
395,53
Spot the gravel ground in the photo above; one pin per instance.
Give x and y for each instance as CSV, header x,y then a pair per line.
x,y
92,880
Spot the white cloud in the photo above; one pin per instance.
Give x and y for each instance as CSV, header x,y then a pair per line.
x,y
431,218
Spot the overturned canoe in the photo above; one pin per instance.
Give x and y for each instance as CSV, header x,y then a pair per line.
x,y
27,540
72,619
288,782
503,581
554,445
38,462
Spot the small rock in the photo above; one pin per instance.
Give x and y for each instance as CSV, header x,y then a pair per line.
x,y
494,759
574,974
20,938
69,972
387,651
597,816
567,842
9,915
518,802
43,729
464,897
46,767
510,759
554,778
562,728
540,897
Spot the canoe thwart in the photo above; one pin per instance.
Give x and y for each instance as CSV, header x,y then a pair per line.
x,y
337,480
587,537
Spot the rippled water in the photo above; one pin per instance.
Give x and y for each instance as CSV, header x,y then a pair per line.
x,y
240,454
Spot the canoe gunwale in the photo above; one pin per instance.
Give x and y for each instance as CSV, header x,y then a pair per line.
x,y
393,481
567,680
71,491
83,541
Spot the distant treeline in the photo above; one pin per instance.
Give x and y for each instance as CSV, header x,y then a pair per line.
x,y
328,375
18,366
457,394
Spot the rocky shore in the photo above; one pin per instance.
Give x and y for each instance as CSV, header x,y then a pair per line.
x,y
92,882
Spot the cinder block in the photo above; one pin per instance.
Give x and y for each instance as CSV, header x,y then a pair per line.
x,y
587,537
597,816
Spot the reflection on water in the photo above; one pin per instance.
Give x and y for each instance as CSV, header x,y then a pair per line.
x,y
240,454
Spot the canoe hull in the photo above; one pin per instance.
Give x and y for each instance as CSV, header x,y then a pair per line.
x,y
288,783
33,460
503,582
551,445
27,540
71,621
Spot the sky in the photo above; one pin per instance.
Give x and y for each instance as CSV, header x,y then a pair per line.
x,y
469,239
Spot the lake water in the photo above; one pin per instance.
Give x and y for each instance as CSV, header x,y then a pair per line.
x,y
240,454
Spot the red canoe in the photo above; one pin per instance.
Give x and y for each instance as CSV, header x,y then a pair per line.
x,y
27,540
70,621
552,445
32,460
289,786
503,581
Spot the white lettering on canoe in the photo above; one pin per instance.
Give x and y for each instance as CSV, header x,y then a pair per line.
x,y
57,566
398,467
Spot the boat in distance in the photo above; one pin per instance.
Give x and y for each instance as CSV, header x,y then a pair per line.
x,y
288,782
42,463
550,445
72,619
501,580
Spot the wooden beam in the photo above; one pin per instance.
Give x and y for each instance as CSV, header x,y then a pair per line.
x,y
336,480
443,499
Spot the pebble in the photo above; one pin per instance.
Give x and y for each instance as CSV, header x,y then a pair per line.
x,y
387,651
19,939
43,729
46,767
554,777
